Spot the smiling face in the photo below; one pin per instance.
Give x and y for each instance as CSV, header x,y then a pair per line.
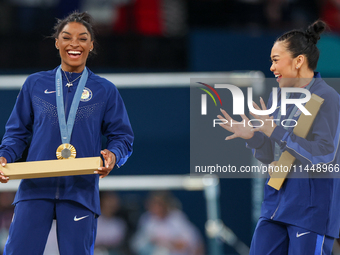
x,y
74,43
283,65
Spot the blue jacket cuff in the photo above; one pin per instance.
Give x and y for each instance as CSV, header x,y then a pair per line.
x,y
117,154
7,156
279,134
256,141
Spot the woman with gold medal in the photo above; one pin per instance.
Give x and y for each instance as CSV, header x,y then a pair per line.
x,y
65,111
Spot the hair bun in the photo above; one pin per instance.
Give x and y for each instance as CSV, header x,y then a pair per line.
x,y
313,31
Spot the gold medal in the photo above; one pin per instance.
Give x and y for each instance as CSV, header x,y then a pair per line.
x,y
66,151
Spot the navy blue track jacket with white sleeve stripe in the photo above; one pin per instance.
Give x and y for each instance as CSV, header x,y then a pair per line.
x,y
312,203
101,111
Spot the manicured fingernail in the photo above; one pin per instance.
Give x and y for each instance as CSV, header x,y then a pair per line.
x,y
95,172
3,164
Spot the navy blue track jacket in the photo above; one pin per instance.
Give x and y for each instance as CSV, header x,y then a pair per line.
x,y
312,203
101,111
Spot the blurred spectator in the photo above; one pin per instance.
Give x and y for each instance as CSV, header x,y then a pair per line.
x,y
164,229
151,18
6,214
331,14
111,229
276,13
103,12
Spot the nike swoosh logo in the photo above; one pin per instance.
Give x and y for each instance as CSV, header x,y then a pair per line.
x,y
301,234
48,92
78,219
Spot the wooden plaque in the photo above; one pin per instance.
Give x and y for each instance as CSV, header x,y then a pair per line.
x,y
302,128
52,168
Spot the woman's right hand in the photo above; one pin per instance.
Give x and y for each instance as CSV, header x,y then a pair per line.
x,y
3,162
239,129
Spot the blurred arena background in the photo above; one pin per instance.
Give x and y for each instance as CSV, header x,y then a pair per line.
x,y
162,36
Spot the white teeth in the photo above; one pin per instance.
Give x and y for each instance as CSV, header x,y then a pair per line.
x,y
277,75
74,52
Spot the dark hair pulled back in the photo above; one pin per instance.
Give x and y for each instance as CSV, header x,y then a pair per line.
x,y
299,42
83,18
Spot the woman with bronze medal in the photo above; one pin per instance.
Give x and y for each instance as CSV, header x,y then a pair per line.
x,y
302,216
65,111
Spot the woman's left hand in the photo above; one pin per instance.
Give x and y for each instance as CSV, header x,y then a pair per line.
x,y
109,163
268,123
